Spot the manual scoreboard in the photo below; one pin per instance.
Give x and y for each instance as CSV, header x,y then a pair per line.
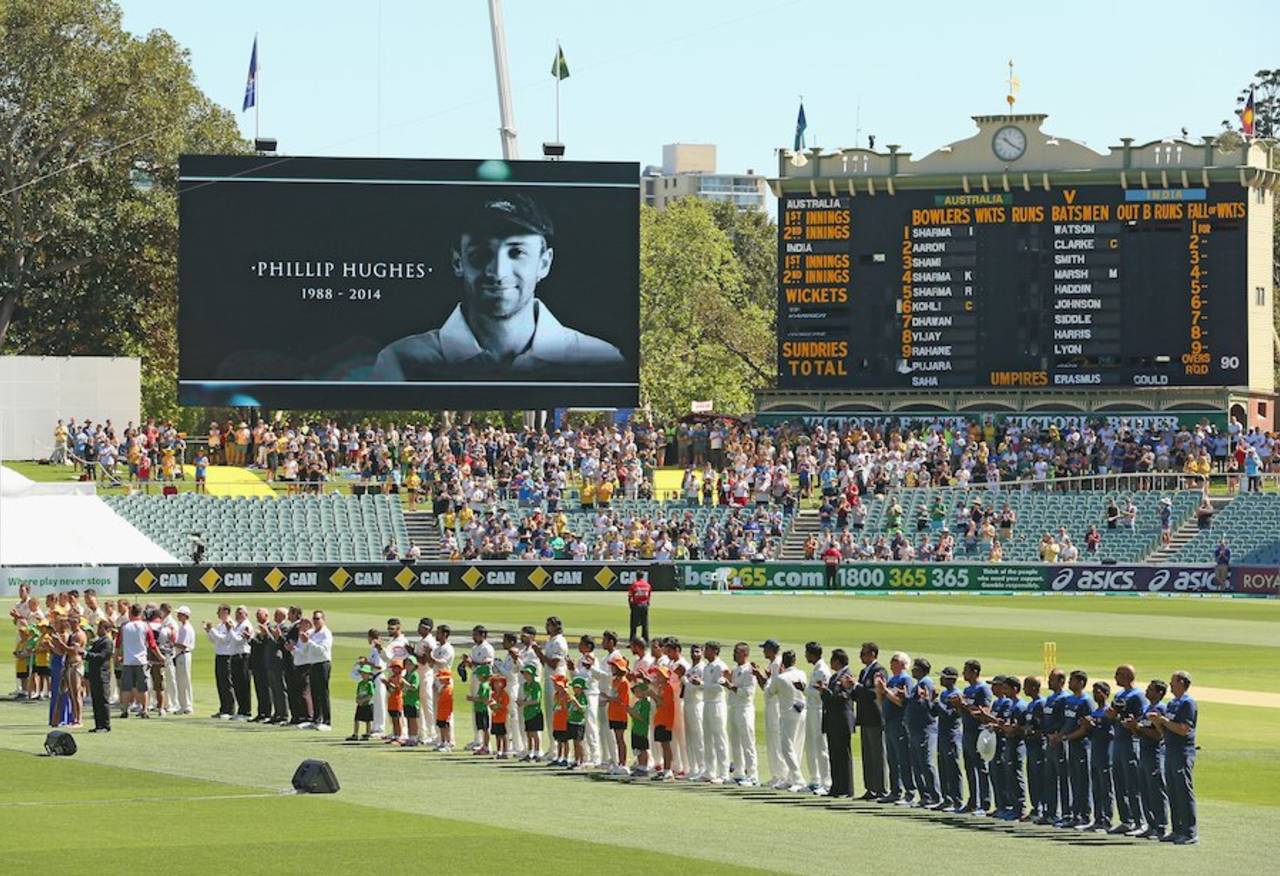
x,y
1095,286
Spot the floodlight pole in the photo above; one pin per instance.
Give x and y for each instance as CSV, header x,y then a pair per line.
x,y
510,150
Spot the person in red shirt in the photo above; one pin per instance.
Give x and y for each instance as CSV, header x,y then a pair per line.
x,y
831,558
638,596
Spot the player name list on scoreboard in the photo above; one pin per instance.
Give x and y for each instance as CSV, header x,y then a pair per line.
x,y
1094,286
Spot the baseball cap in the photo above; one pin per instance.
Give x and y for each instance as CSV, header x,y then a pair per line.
x,y
479,628
997,679
426,622
509,213
769,643
531,668
950,672
182,609
483,670
579,681
619,661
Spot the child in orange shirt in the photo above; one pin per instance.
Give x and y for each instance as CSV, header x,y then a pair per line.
x,y
619,700
499,703
395,702
664,721
560,719
444,709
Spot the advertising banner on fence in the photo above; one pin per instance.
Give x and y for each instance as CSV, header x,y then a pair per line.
x,y
52,579
394,578
862,576
975,578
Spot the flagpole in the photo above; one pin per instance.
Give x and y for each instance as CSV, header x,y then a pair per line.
x,y
557,92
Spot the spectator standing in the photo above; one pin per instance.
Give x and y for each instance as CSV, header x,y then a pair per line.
x,y
100,654
184,644
220,634
316,640
639,595
135,643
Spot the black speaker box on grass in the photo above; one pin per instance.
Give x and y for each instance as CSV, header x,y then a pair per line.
x,y
59,744
315,777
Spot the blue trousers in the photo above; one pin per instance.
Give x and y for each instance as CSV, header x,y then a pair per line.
x,y
1057,788
975,771
899,757
922,747
1124,775
1078,765
1179,763
1155,800
1100,775
949,765
1015,784
1036,774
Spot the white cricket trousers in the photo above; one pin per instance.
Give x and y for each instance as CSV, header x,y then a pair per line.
x,y
426,707
182,682
694,761
715,739
790,735
591,733
742,743
608,745
379,725
772,748
816,759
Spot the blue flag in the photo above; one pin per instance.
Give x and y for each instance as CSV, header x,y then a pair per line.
x,y
801,125
251,84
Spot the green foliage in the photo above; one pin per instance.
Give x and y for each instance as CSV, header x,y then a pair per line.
x,y
706,309
88,112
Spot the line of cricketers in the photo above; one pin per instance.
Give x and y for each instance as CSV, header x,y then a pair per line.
x,y
1068,758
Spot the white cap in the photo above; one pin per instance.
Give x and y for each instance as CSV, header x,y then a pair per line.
x,y
182,609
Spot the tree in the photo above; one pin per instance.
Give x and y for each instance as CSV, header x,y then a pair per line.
x,y
702,335
92,121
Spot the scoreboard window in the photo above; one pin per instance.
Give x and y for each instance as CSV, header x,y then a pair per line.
x,y
1086,287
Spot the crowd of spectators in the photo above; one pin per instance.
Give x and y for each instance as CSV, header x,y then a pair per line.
x,y
524,492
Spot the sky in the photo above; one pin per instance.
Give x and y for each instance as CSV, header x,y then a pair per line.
x,y
415,78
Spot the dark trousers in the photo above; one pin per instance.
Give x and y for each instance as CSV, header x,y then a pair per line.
x,y
924,775
275,683
261,689
318,674
640,621
101,709
895,737
1124,775
995,769
222,679
1036,775
975,771
1179,763
240,682
829,576
1015,783
839,753
1057,787
1100,777
299,707
1155,800
949,766
872,750
1078,766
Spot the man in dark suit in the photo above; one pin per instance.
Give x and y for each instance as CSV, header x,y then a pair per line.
x,y
838,723
870,722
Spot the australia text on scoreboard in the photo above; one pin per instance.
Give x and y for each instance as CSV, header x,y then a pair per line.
x,y
1060,276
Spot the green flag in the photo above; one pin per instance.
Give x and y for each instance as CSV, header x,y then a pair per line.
x,y
560,67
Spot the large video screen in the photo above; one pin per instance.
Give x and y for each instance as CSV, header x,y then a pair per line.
x,y
1066,288
408,284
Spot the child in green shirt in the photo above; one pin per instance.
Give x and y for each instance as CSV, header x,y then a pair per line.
x,y
641,710
480,706
364,703
412,699
578,720
530,702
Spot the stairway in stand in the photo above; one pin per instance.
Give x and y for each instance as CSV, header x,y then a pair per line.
x,y
806,523
1183,534
424,532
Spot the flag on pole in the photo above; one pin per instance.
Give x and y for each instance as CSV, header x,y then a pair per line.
x,y
1247,116
560,67
801,126
251,84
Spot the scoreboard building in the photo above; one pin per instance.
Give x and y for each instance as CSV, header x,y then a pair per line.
x,y
1019,272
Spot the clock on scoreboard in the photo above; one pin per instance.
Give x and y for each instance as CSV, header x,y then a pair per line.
x,y
1082,287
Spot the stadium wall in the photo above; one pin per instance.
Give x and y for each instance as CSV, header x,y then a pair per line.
x,y
158,580
37,391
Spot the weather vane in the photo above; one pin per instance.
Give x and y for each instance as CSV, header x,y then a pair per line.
x,y
1014,85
